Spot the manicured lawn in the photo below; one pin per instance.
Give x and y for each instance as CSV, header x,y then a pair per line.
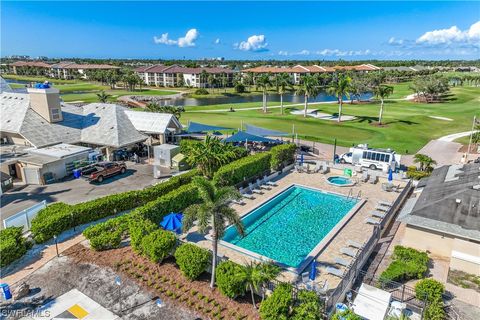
x,y
407,128
91,96
38,79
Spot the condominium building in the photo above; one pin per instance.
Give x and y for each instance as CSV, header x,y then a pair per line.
x,y
173,76
62,70
298,71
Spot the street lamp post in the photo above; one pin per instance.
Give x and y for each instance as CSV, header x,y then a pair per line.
x,y
118,282
56,245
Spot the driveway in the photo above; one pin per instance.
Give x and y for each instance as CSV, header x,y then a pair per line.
x,y
74,191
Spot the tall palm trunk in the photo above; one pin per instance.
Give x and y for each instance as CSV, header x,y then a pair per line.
x,y
253,296
381,112
305,107
264,101
340,107
214,257
281,104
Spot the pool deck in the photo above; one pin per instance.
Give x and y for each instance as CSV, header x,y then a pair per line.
x,y
354,229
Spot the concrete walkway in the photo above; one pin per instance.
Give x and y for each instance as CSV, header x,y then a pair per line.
x,y
455,136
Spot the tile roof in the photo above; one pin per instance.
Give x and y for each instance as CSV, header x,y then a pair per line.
x,y
95,123
37,64
160,68
62,65
310,69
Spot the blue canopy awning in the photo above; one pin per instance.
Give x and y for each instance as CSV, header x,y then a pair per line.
x,y
243,136
259,131
195,127
172,222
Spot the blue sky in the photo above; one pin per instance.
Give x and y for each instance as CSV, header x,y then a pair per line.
x,y
242,30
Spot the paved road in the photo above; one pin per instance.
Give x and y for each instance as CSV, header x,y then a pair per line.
x,y
74,191
455,136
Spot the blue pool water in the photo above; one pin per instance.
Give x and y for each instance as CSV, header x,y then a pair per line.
x,y
289,226
341,181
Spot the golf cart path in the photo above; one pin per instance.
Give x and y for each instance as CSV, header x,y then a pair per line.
x,y
455,136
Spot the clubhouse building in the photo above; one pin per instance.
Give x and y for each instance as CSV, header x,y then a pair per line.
x,y
177,76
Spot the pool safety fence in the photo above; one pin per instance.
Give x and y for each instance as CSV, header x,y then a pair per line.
x,y
24,218
355,269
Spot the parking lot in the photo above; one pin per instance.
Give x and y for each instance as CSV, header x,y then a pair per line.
x,y
73,191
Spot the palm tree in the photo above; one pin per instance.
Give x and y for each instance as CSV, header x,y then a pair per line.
x,y
426,162
340,87
382,92
257,275
248,80
309,88
264,82
102,96
213,212
203,78
210,155
284,83
175,110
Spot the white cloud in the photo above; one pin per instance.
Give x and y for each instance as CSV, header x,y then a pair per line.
x,y
343,53
283,53
452,35
254,43
303,53
217,41
396,42
187,41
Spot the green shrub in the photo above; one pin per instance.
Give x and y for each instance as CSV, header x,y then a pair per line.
x,y
192,260
407,264
277,305
57,217
158,245
429,289
106,241
415,174
109,234
230,279
138,228
283,154
435,310
52,220
239,87
346,315
244,168
201,91
12,245
308,307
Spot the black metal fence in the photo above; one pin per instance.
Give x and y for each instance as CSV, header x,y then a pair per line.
x,y
356,268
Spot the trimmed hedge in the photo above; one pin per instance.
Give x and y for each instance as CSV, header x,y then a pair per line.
x,y
308,307
57,217
230,279
407,264
109,234
158,245
192,260
12,245
281,155
238,170
435,310
429,289
138,228
277,305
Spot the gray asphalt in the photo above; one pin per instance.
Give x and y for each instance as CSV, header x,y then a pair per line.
x,y
74,191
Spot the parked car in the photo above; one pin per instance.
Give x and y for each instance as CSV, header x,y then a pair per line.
x,y
99,171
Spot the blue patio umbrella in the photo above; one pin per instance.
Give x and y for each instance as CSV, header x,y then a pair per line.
x,y
390,175
301,159
172,222
313,270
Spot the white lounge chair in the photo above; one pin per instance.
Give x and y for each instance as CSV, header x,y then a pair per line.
x,y
342,262
381,207
335,271
372,221
325,169
298,168
239,202
261,185
373,179
269,183
354,244
253,189
379,214
385,203
322,289
365,176
248,196
348,251
318,166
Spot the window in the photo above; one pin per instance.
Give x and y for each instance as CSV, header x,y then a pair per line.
x,y
382,157
55,114
364,155
377,156
387,158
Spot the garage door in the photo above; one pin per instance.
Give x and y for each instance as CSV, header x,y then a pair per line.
x,y
31,175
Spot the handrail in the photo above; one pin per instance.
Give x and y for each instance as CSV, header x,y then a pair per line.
x,y
359,194
350,194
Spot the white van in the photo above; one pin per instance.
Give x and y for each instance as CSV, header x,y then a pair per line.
x,y
382,159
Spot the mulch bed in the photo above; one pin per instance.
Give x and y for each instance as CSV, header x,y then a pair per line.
x,y
166,281
473,148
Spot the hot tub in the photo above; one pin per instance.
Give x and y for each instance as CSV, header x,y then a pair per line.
x,y
340,181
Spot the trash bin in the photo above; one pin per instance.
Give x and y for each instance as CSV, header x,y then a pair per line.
x,y
77,173
7,295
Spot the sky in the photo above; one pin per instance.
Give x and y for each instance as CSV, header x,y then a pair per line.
x,y
242,30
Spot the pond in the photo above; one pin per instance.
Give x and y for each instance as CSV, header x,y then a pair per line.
x,y
235,99
227,99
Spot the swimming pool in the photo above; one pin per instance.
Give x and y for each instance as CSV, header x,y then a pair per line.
x,y
289,226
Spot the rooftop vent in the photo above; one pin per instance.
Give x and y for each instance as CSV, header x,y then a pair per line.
x,y
458,200
476,187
